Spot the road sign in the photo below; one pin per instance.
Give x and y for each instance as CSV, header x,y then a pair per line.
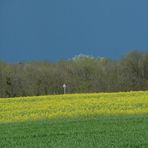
x,y
64,86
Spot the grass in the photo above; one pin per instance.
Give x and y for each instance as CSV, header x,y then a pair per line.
x,y
75,121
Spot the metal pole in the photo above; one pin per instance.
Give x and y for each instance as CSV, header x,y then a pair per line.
x,y
64,87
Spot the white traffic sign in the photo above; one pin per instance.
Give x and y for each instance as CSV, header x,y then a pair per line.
x,y
64,86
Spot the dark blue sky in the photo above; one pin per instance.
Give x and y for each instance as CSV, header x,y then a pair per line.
x,y
61,29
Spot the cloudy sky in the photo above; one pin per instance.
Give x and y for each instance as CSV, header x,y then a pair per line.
x,y
60,29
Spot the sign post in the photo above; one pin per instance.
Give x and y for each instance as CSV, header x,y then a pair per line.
x,y
64,86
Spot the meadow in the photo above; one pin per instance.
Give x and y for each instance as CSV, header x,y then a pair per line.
x,y
98,120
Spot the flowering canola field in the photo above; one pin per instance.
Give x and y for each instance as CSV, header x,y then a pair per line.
x,y
72,105
75,120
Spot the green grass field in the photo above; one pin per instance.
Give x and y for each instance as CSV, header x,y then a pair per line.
x,y
99,120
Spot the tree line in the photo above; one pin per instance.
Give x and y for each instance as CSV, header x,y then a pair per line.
x,y
81,74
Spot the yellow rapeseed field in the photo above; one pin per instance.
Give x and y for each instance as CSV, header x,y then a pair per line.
x,y
72,105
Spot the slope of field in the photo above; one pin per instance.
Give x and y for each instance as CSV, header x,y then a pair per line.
x,y
78,120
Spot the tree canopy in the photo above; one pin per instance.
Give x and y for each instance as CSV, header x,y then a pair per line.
x,y
82,73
